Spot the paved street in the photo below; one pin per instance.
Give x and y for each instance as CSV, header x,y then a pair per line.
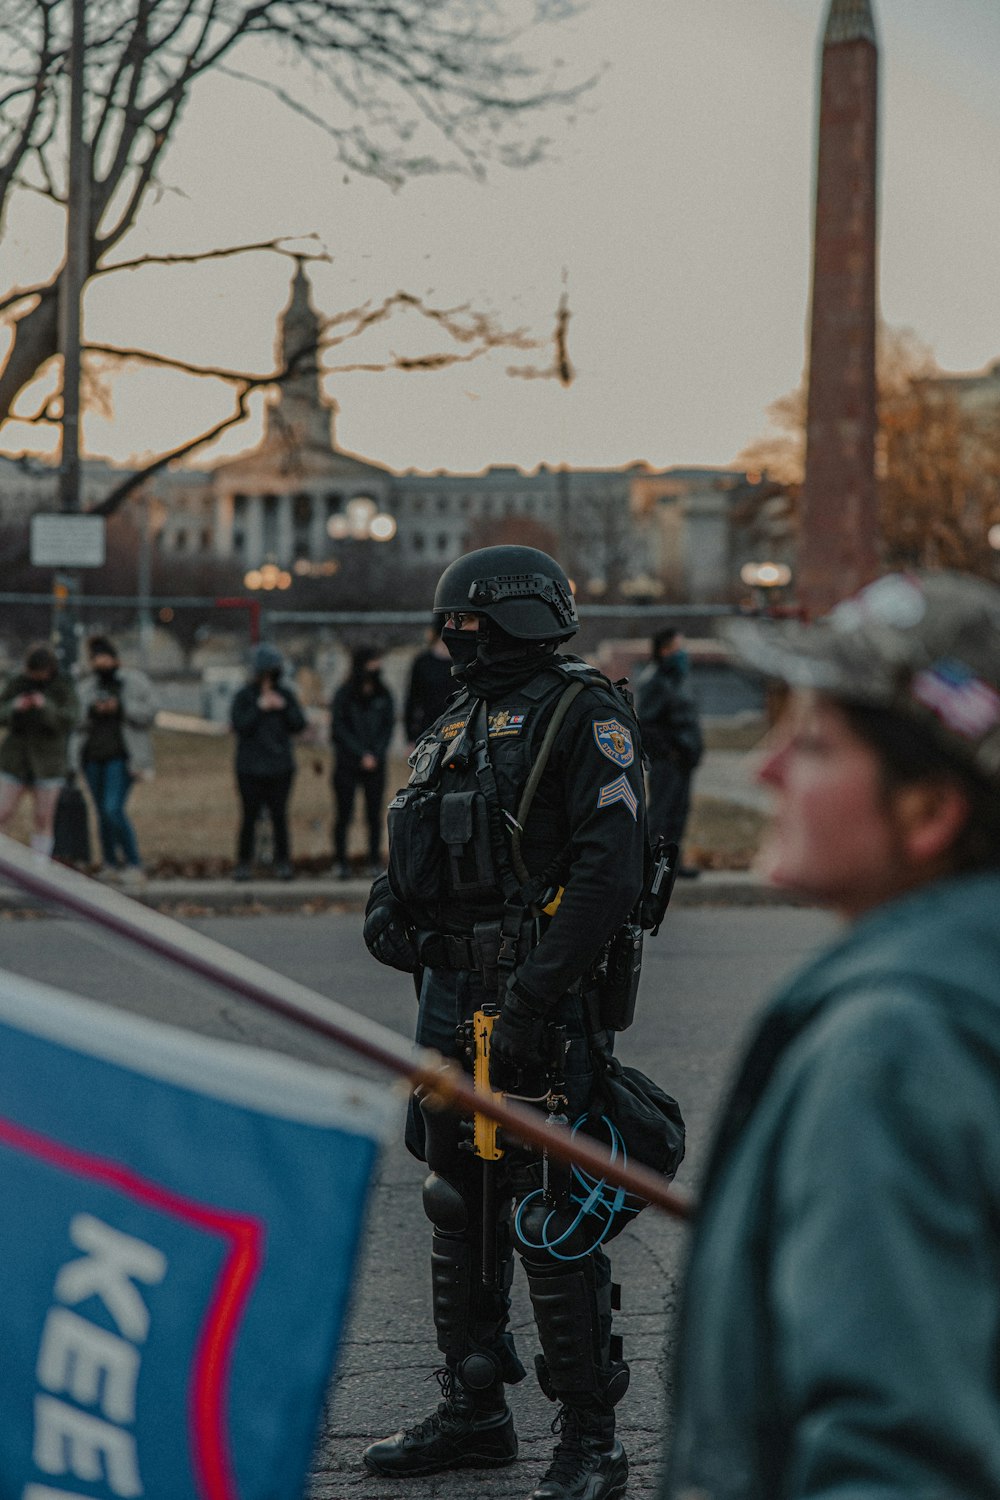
x,y
703,980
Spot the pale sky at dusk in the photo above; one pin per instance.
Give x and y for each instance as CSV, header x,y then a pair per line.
x,y
679,205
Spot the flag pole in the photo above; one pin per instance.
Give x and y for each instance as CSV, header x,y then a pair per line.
x,y
440,1078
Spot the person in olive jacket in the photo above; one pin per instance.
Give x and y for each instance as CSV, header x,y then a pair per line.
x,y
265,716
838,1331
362,715
38,709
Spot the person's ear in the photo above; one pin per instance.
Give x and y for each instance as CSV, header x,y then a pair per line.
x,y
930,815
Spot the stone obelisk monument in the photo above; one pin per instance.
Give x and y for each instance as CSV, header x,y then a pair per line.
x,y
838,534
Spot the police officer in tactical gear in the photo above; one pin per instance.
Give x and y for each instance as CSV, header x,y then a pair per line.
x,y
516,852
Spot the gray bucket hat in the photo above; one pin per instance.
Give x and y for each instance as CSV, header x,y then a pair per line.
x,y
926,645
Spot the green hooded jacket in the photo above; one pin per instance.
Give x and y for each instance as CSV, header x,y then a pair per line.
x,y
840,1328
35,747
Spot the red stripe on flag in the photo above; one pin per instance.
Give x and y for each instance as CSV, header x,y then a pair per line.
x,y
213,1357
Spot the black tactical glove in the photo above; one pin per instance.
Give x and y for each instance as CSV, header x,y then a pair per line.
x,y
517,1043
387,933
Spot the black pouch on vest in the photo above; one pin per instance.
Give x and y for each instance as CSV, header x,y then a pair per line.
x,y
465,832
416,854
618,983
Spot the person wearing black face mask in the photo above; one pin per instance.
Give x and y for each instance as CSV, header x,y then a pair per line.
x,y
497,898
115,749
362,715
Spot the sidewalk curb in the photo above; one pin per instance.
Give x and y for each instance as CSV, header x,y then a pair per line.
x,y
190,898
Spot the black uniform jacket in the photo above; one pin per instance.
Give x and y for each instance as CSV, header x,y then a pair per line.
x,y
586,824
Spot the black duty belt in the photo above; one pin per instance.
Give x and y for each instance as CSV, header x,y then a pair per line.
x,y
448,950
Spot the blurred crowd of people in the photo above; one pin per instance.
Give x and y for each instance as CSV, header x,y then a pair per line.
x,y
98,727
266,716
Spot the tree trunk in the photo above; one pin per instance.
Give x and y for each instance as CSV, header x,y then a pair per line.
x,y
36,339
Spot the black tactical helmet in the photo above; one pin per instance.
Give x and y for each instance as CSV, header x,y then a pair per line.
x,y
521,590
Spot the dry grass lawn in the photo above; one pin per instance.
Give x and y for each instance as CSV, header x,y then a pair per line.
x,y
187,817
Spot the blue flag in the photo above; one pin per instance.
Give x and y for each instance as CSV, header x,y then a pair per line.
x,y
180,1221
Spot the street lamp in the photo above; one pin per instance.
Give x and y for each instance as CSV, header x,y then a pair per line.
x,y
361,521
766,575
764,579
269,577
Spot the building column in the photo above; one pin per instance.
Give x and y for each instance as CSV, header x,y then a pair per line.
x,y
222,525
254,545
317,529
286,532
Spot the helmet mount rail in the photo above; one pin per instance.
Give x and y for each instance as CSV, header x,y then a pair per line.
x,y
525,586
520,591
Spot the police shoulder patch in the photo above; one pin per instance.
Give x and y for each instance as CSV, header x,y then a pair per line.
x,y
614,740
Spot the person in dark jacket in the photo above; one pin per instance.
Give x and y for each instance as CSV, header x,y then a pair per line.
x,y
265,716
671,737
362,715
114,747
530,725
431,685
38,709
838,1332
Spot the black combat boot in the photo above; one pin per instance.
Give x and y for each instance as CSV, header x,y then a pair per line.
x,y
589,1462
471,1429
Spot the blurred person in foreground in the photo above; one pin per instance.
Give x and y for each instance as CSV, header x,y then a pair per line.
x,y
38,709
671,737
265,717
839,1326
115,750
362,715
431,685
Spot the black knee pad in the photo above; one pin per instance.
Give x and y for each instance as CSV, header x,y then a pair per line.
x,y
444,1205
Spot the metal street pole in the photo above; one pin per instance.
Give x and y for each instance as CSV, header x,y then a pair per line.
x,y
143,582
74,276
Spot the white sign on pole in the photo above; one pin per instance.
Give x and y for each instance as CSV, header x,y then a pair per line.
x,y
61,540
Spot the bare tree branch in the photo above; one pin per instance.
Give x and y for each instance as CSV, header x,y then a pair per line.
x,y
561,368
195,257
414,86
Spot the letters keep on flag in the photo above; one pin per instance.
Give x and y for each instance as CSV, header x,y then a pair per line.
x,y
180,1223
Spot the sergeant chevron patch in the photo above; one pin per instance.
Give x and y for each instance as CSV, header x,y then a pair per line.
x,y
618,791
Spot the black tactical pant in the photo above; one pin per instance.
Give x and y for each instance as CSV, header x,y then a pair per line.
x,y
471,1319
258,793
347,778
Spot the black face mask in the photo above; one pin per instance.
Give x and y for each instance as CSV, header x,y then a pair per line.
x,y
462,645
107,676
